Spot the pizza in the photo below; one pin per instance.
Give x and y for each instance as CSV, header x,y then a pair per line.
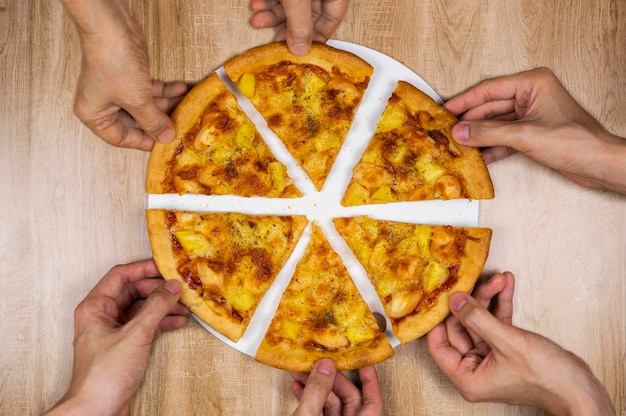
x,y
413,156
252,137
414,268
321,314
225,262
217,150
309,101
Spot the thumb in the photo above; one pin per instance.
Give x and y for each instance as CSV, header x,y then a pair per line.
x,y
487,133
498,138
299,25
318,387
154,122
478,320
156,306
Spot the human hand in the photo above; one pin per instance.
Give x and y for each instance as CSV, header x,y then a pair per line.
x,y
115,95
327,392
305,20
114,327
531,112
489,360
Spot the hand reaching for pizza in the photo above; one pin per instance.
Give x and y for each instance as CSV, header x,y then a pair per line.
x,y
115,95
305,20
489,360
114,327
531,112
327,392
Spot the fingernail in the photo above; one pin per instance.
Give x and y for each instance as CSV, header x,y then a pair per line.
x,y
460,132
172,286
457,301
166,136
300,48
325,366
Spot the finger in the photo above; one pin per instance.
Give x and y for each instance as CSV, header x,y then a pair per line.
x,y
299,25
491,110
373,401
317,389
458,337
155,308
487,291
152,120
119,277
331,15
114,129
495,89
479,320
492,154
349,397
177,310
168,95
504,305
443,354
267,13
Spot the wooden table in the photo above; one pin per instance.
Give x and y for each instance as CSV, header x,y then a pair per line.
x,y
73,206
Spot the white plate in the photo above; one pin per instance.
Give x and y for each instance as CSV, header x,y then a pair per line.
x,y
324,205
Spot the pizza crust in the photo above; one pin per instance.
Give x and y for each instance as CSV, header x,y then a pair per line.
x,y
185,116
286,357
320,54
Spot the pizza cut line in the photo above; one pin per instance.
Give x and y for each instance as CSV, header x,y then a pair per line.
x,y
227,260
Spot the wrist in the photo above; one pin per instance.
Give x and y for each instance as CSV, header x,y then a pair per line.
x,y
575,391
98,17
611,162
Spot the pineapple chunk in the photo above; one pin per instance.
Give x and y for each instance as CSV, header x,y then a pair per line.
x,y
398,155
241,300
313,86
245,136
434,275
387,285
192,241
359,333
393,117
188,157
356,194
423,234
370,226
247,85
382,195
289,330
277,172
379,259
325,141
430,171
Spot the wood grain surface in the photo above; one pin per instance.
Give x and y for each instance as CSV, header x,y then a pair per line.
x,y
73,206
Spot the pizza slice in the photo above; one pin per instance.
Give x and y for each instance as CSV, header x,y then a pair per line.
x,y
308,101
225,262
415,268
321,314
413,156
217,150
